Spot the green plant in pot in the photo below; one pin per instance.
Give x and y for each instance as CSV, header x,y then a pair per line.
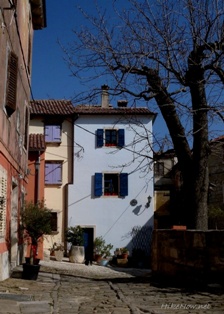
x,y
35,223
74,235
102,250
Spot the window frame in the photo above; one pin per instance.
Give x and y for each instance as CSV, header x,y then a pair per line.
x,y
52,180
51,128
159,169
121,188
102,137
54,222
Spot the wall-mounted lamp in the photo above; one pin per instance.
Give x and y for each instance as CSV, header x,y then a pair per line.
x,y
37,164
149,198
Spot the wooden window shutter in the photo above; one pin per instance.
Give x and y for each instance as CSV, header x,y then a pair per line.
x,y
98,188
120,142
48,133
48,173
56,133
11,83
123,184
99,137
53,173
57,173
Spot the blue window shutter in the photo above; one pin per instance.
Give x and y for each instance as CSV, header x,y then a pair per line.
x,y
98,188
53,173
48,173
56,133
120,142
56,173
48,133
99,137
123,184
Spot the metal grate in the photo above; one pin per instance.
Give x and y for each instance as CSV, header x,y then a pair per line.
x,y
141,238
3,199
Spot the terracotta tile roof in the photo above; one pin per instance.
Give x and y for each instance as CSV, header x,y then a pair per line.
x,y
218,139
51,107
37,142
65,107
98,110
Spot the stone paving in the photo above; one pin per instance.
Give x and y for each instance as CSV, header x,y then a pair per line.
x,y
112,291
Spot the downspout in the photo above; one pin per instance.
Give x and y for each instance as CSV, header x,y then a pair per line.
x,y
37,178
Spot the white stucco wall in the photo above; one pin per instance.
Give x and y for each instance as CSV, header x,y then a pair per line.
x,y
112,217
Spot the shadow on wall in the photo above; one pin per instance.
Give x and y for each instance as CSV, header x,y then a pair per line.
x,y
140,245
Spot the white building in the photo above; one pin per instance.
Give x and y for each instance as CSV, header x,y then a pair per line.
x,y
112,191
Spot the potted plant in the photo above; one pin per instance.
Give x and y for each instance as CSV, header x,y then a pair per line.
x,y
124,252
35,222
57,251
74,235
102,251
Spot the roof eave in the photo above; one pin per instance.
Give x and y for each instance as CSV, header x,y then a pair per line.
x,y
38,10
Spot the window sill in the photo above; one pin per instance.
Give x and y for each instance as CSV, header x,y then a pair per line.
x,y
54,232
53,143
110,145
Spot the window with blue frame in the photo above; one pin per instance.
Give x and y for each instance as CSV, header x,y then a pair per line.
x,y
110,137
52,133
53,172
111,184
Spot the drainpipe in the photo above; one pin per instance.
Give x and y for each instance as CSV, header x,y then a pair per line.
x,y
37,178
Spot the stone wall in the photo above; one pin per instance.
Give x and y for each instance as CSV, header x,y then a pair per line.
x,y
188,255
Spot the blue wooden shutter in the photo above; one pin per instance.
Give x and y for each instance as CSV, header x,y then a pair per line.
x,y
56,133
120,142
53,173
123,184
56,173
48,171
99,137
48,133
98,188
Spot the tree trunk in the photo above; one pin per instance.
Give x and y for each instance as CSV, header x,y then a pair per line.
x,y
200,143
194,168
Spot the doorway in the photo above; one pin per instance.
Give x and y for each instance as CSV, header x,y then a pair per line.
x,y
14,226
88,235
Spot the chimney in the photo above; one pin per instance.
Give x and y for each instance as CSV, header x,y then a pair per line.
x,y
122,103
105,96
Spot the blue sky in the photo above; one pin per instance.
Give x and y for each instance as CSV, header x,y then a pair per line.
x,y
51,78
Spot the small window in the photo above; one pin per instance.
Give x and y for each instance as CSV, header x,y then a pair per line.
x,y
54,221
159,168
111,184
110,137
52,133
11,88
53,172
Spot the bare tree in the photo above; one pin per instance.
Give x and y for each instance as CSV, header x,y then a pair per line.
x,y
168,53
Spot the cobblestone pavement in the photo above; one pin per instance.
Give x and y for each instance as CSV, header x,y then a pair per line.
x,y
115,292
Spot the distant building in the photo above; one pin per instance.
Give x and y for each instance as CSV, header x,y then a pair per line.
x,y
51,161
165,188
18,20
216,184
112,193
